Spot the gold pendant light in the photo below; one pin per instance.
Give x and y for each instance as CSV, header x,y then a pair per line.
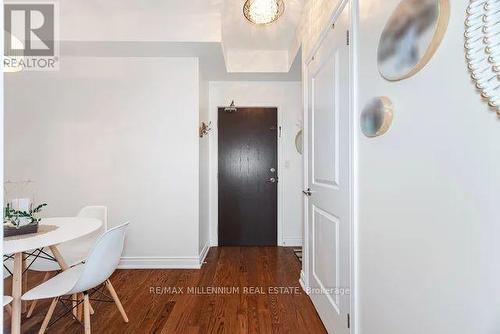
x,y
262,12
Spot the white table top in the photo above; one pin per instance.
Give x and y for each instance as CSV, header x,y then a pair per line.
x,y
52,231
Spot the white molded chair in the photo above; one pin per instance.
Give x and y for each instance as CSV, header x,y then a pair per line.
x,y
96,270
75,251
6,301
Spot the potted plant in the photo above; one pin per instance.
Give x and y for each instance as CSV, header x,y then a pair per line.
x,y
19,219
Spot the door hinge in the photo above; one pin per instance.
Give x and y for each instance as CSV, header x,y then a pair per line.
x,y
348,38
348,320
279,131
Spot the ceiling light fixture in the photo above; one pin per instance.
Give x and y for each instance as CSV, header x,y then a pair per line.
x,y
231,108
263,11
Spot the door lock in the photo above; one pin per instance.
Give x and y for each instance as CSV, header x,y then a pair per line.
x,y
272,180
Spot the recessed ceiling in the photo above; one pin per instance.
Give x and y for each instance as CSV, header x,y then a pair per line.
x,y
239,33
246,48
211,58
259,48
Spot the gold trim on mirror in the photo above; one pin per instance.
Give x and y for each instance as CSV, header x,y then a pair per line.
x,y
407,34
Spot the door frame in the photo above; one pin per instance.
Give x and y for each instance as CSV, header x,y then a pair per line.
x,y
352,6
214,180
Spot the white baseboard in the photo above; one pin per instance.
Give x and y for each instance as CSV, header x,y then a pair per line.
x,y
164,262
137,262
203,254
302,282
293,242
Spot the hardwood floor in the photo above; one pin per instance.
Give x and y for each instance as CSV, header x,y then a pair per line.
x,y
179,301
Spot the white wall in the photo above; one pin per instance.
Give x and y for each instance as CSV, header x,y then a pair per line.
x,y
125,20
121,132
316,16
429,194
204,238
286,96
427,223
1,140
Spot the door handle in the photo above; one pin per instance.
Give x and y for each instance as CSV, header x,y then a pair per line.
x,y
272,180
308,192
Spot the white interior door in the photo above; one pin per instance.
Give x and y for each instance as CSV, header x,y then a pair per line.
x,y
329,178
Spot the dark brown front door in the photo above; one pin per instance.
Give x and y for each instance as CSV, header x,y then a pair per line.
x,y
248,175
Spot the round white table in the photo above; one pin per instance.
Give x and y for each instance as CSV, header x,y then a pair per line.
x,y
52,231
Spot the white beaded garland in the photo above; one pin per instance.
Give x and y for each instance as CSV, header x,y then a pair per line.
x,y
482,46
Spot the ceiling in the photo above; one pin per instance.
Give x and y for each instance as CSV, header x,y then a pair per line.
x,y
210,55
229,38
238,33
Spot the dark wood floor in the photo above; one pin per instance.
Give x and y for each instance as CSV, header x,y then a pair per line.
x,y
257,310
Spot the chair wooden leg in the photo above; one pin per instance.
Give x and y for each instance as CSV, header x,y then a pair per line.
x,y
86,312
48,316
32,308
33,303
74,300
117,300
24,305
17,291
80,307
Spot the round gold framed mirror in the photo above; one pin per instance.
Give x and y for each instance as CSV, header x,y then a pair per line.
x,y
411,37
376,117
299,142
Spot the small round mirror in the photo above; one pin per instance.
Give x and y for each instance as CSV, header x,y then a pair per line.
x,y
411,37
376,117
299,142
